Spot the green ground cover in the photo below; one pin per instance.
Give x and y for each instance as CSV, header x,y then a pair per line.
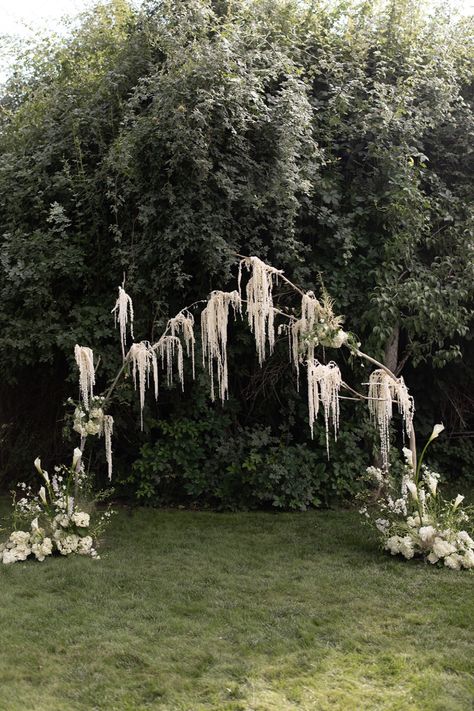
x,y
235,612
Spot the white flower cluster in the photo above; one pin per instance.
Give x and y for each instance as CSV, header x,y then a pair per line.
x,y
416,521
89,422
65,528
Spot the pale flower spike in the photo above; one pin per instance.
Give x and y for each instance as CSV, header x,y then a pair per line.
x,y
123,312
108,432
214,321
85,362
184,323
301,347
260,309
383,389
324,383
143,359
168,347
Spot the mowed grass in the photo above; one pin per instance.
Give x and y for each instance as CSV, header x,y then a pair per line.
x,y
196,611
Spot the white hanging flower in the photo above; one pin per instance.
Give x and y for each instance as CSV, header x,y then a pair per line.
x,y
37,464
260,309
85,362
170,347
143,359
123,312
457,501
324,383
184,323
108,424
383,389
214,323
42,495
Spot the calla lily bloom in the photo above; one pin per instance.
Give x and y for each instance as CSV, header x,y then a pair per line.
x,y
437,429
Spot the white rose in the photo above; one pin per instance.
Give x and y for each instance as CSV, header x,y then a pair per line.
x,y
20,538
81,519
393,544
465,539
62,520
84,546
468,559
92,428
427,534
407,547
9,556
453,561
442,548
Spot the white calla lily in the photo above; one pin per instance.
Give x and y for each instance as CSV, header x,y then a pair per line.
x,y
76,458
437,429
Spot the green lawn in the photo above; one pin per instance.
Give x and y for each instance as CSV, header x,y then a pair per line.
x,y
250,612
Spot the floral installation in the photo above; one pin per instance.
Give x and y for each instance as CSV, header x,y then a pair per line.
x,y
55,519
413,519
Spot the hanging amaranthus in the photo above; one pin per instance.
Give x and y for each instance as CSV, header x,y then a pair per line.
x,y
301,333
85,362
214,321
324,383
143,359
123,312
383,389
260,309
168,347
184,323
108,428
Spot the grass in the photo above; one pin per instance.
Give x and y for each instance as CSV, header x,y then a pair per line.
x,y
235,612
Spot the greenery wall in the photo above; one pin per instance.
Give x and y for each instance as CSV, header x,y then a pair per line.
x,y
328,139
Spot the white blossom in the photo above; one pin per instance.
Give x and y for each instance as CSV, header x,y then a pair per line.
x,y
214,322
80,519
437,429
123,313
85,362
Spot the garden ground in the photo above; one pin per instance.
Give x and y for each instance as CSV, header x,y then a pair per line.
x,y
193,611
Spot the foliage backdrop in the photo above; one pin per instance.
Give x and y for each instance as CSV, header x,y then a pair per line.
x,y
327,139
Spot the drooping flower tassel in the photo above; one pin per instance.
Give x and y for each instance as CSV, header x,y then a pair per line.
x,y
123,313
324,383
143,359
260,310
383,389
214,322
85,362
